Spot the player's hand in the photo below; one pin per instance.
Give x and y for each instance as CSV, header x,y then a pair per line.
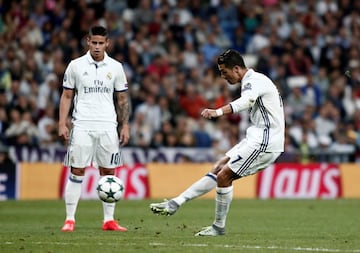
x,y
64,132
124,135
209,113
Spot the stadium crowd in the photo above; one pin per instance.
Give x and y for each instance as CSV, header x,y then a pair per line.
x,y
168,48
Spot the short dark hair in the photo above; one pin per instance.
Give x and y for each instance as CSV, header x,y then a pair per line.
x,y
98,30
231,58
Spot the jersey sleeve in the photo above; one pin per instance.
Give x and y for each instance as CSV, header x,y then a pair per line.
x,y
69,77
121,83
249,94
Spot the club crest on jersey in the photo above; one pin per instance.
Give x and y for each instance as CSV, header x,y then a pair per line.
x,y
246,87
109,76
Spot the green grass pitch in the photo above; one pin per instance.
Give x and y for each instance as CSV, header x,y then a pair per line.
x,y
252,226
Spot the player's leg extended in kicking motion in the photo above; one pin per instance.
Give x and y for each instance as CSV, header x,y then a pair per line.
x,y
199,188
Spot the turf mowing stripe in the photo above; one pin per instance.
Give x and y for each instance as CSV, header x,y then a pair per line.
x,y
207,245
260,247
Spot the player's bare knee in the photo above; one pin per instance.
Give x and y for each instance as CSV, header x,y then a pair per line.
x,y
225,177
78,171
104,171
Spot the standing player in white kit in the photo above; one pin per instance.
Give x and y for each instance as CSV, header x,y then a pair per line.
x,y
95,84
262,145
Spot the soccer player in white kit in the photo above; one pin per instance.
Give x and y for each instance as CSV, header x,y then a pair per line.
x,y
262,145
95,84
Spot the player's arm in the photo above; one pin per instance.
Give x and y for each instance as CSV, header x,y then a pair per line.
x,y
246,101
214,113
64,109
123,110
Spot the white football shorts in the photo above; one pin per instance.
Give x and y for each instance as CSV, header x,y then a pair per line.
x,y
245,161
88,147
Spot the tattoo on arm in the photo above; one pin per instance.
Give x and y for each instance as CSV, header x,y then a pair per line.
x,y
123,109
124,113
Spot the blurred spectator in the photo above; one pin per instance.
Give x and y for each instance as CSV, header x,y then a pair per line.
x,y
5,77
143,14
140,131
291,153
202,134
38,16
299,64
344,144
45,63
4,124
325,6
323,82
222,39
176,28
156,23
171,139
157,140
240,39
183,131
295,103
228,19
182,11
192,102
336,93
303,132
312,48
21,131
265,61
48,92
210,50
327,120
311,21
350,101
33,34
207,84
150,113
47,127
312,91
159,66
189,56
164,109
221,141
258,41
280,79
251,19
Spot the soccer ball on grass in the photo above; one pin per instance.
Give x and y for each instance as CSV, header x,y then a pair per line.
x,y
110,189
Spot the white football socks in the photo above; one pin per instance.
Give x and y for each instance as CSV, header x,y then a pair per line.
x,y
72,195
200,187
109,210
224,197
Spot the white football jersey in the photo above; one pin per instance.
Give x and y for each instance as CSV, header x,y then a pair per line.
x,y
94,84
260,96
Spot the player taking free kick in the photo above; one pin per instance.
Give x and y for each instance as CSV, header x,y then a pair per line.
x,y
262,145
